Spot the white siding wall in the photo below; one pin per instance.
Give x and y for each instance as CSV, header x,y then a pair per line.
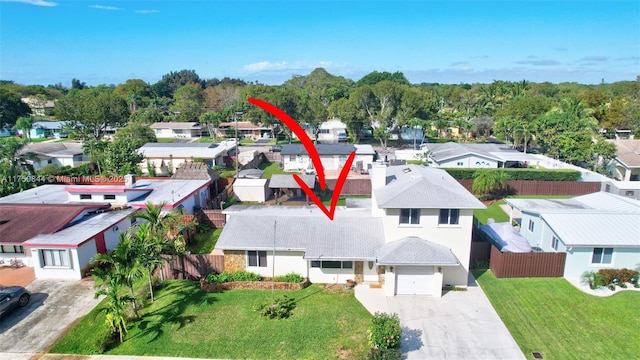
x,y
540,230
111,237
455,237
73,272
470,161
85,253
286,262
331,276
579,260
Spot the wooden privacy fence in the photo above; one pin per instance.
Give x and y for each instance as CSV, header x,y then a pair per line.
x,y
480,250
531,264
211,218
535,187
352,186
191,266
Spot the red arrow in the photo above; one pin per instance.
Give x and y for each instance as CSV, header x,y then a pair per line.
x,y
313,155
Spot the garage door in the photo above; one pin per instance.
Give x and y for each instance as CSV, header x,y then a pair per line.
x,y
414,280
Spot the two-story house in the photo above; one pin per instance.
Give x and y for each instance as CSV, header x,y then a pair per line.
x,y
332,156
413,236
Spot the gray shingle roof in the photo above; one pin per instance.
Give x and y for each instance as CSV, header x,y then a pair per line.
x,y
413,186
279,181
353,234
323,149
413,250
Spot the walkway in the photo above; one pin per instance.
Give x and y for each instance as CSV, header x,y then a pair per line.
x,y
460,325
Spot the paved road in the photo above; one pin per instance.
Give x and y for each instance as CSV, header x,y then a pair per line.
x,y
54,306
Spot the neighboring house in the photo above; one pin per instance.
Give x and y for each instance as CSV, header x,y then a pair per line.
x,y
45,129
598,230
624,188
413,236
5,131
332,131
333,156
167,157
55,153
182,130
626,165
57,229
456,155
40,107
246,130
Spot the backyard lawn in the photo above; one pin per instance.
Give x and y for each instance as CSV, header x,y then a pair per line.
x,y
271,169
204,241
551,316
187,322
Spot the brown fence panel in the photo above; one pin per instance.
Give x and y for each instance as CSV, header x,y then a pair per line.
x,y
352,186
191,266
212,218
480,250
532,264
534,187
273,157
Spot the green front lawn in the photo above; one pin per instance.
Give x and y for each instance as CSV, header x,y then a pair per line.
x,y
551,316
187,322
493,211
165,140
271,169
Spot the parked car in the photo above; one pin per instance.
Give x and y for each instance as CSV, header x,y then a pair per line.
x,y
276,148
12,297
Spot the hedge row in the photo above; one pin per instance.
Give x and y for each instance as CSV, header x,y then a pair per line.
x,y
522,174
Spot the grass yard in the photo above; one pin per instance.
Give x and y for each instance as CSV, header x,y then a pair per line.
x,y
165,140
271,169
492,211
205,241
551,316
187,322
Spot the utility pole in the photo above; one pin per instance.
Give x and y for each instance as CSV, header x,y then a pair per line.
x,y
235,118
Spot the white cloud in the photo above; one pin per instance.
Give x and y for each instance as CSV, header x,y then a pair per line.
x,y
146,11
103,7
594,58
34,2
266,66
284,66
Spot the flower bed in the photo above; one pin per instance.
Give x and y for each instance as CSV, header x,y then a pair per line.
x,y
256,285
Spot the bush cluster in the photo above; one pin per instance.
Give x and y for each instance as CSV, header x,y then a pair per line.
x,y
226,276
607,277
289,278
384,336
522,174
280,309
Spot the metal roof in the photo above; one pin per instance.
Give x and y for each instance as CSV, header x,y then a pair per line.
x,y
323,149
175,125
413,250
413,186
596,229
279,181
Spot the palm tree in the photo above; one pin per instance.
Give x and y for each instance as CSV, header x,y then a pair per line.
x,y
416,123
24,123
119,266
14,162
523,131
149,249
489,182
116,307
441,124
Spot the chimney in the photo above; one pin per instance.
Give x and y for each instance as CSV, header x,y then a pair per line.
x,y
130,180
378,175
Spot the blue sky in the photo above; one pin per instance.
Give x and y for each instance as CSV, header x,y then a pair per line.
x,y
107,42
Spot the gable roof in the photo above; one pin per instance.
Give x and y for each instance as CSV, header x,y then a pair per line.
x,y
495,152
353,234
192,170
185,152
413,186
53,149
323,149
413,250
628,152
176,125
21,222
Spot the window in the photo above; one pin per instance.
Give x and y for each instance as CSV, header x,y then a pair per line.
x,y
555,243
257,258
531,224
460,163
109,197
323,131
85,196
292,158
449,217
12,249
55,258
628,193
49,161
607,188
602,255
332,264
409,216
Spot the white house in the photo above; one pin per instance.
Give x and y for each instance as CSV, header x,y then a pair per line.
x,y
599,230
626,165
456,155
332,131
57,229
333,156
165,158
55,153
413,236
185,130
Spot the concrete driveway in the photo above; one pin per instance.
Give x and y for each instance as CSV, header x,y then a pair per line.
x,y
460,325
54,306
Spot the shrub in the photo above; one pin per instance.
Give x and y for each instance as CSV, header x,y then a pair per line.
x,y
289,278
623,275
522,174
105,339
226,276
480,264
384,354
594,279
280,309
384,331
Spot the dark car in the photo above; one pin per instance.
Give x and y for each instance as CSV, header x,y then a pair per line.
x,y
12,297
276,148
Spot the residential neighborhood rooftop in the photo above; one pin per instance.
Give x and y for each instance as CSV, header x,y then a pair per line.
x,y
413,250
323,149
